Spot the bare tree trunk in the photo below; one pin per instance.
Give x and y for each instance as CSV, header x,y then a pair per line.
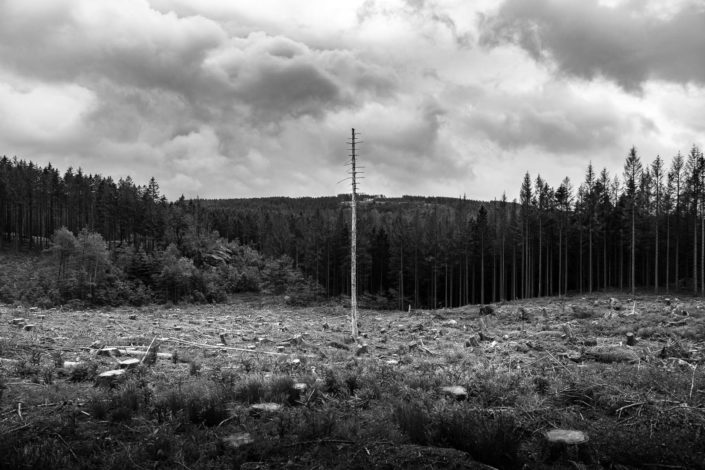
x,y
482,269
656,260
702,250
401,277
633,250
560,258
540,264
668,249
590,255
695,253
514,271
353,242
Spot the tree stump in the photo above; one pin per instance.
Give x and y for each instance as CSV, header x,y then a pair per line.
x,y
487,310
631,340
472,342
110,378
566,443
109,352
568,331
361,349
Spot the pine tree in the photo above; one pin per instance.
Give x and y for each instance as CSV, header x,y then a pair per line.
x,y
632,174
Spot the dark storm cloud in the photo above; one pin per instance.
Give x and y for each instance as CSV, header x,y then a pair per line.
x,y
279,77
627,43
133,45
128,43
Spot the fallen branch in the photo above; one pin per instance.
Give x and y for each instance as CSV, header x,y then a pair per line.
x,y
148,348
559,362
67,446
425,349
319,441
15,429
619,411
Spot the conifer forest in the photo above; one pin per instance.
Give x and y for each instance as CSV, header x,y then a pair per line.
x,y
642,229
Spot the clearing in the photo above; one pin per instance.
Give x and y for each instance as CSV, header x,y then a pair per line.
x,y
257,384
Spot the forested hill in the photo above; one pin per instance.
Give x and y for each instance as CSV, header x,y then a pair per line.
x,y
642,228
380,202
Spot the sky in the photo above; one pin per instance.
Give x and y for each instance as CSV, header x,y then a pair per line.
x,y
222,99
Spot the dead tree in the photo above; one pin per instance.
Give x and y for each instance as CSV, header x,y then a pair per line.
x,y
353,232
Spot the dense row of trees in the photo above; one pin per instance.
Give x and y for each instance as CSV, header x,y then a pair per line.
x,y
644,228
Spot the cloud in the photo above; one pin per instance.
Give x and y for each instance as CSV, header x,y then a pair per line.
x,y
276,76
556,119
48,113
630,42
257,98
125,41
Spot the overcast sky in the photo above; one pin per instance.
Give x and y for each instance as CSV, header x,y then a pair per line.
x,y
256,98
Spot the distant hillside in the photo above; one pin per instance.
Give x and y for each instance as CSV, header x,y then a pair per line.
x,y
379,202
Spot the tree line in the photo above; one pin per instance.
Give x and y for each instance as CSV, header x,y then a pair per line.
x,y
641,229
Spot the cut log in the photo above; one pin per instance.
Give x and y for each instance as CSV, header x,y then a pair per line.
x,y
28,327
259,409
240,439
610,354
566,436
72,364
337,345
455,391
130,363
138,353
